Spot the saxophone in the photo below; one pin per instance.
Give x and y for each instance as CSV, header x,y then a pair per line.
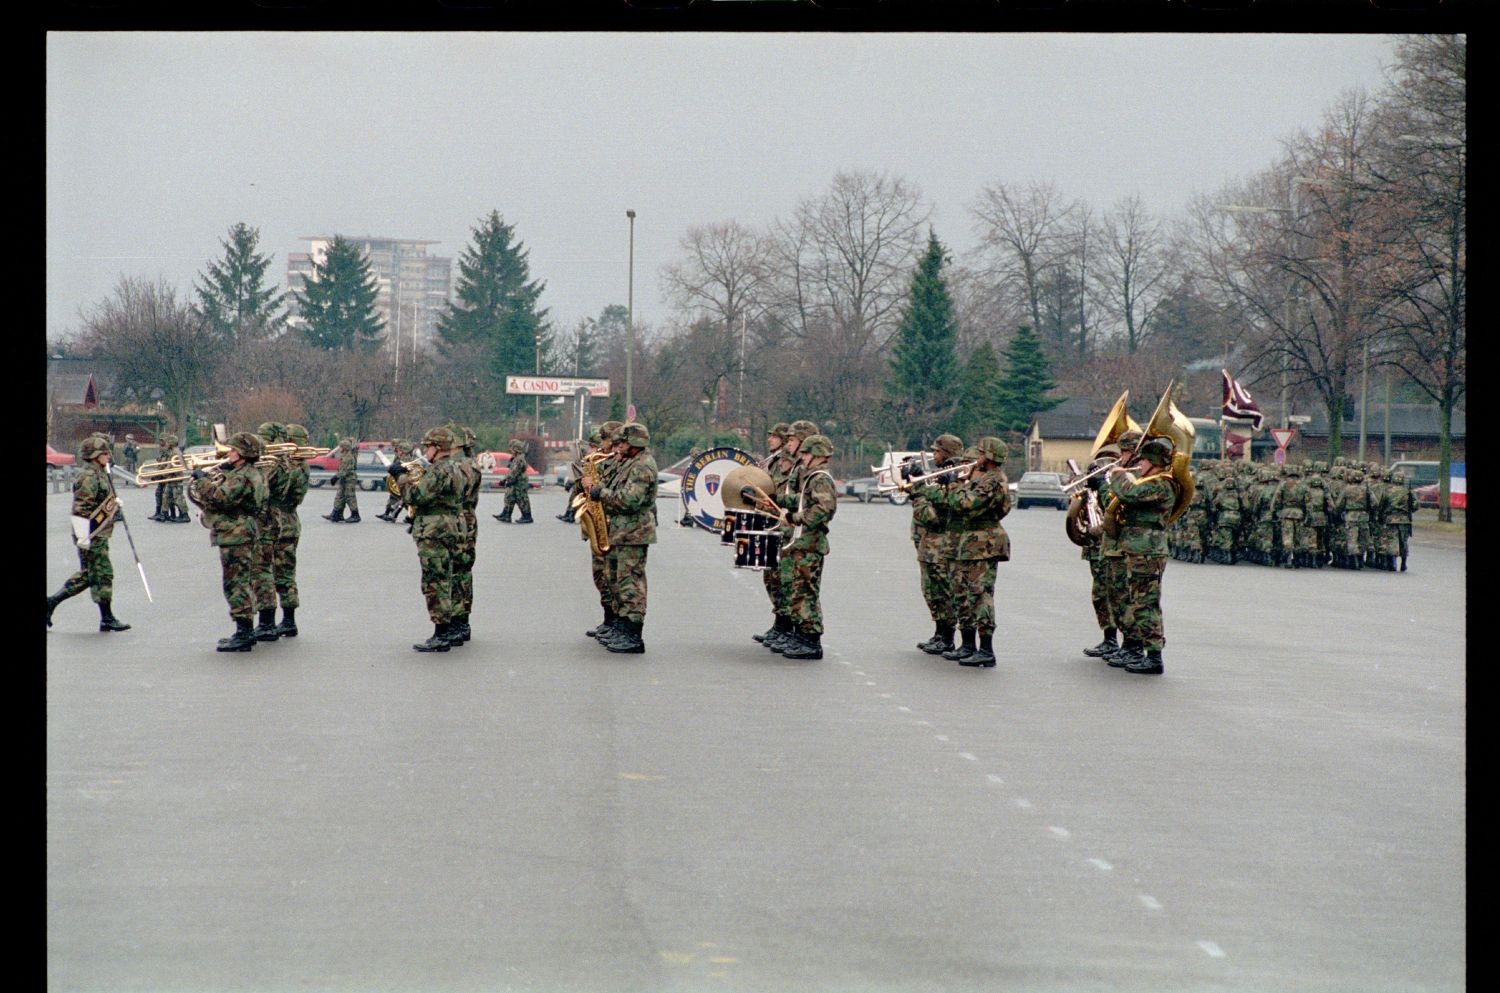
x,y
591,519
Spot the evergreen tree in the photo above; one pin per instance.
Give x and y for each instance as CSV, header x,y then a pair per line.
x,y
924,364
980,407
1023,391
496,303
338,302
232,295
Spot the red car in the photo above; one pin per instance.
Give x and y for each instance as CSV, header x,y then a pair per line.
x,y
57,460
496,467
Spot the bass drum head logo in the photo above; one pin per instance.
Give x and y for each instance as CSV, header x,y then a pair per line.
x,y
702,495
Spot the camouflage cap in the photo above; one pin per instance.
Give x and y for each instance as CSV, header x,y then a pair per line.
x,y
92,447
272,431
1157,451
817,444
439,437
401,444
296,433
780,429
803,429
517,446
610,430
948,444
248,445
992,448
635,434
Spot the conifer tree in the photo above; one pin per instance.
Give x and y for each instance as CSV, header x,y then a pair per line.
x,y
232,295
924,364
1023,390
980,408
338,301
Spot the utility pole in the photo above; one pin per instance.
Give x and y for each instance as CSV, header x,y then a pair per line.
x,y
630,318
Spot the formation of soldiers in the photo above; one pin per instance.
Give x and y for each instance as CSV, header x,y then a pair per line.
x,y
1349,515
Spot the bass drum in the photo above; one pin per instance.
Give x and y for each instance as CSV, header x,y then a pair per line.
x,y
703,485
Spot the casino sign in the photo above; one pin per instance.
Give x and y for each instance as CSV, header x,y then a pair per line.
x,y
702,482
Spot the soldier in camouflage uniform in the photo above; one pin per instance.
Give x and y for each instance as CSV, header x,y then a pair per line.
x,y
936,565
782,635
268,533
231,501
286,497
346,484
171,504
1264,493
975,505
602,565
1186,533
629,501
1290,515
1335,536
1112,563
1093,553
1315,519
1397,504
1227,513
781,457
436,502
1146,493
405,451
1374,488
517,486
463,561
94,500
1354,510
809,510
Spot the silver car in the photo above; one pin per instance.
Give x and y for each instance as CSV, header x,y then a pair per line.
x,y
1040,487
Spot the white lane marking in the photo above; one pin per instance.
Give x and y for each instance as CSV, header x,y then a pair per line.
x,y
995,779
941,737
904,710
886,696
1023,803
1212,950
1101,865
924,724
1061,832
1149,902
968,755
867,682
844,662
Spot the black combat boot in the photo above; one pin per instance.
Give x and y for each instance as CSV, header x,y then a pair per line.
x,y
288,626
385,516
337,518
525,519
437,643
779,630
964,650
1147,665
504,516
352,518
108,621
1104,647
984,655
267,630
784,637
457,632
808,646
599,630
53,601
243,639
936,640
1127,653
1403,563
627,640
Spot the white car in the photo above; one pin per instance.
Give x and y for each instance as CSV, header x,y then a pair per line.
x,y
1041,487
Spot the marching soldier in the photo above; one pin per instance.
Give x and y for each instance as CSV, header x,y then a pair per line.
x,y
268,532
436,501
781,458
93,501
1290,515
602,564
1092,543
976,504
130,452
463,563
1315,520
231,500
405,452
517,486
629,501
1112,561
1227,510
1354,510
171,505
930,523
1146,493
781,636
286,498
810,509
1397,503
346,482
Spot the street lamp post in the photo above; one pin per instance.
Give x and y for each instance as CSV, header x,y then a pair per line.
x,y
537,416
630,319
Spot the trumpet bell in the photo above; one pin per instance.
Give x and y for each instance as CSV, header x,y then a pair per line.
x,y
740,477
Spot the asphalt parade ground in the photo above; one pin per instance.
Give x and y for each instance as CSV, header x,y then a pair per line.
x,y
1283,809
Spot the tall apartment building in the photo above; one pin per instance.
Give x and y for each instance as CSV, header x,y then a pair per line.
x,y
413,286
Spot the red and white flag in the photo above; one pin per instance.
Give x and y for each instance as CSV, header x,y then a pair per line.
x,y
1239,404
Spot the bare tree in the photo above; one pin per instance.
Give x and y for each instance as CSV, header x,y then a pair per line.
x,y
1020,232
1134,269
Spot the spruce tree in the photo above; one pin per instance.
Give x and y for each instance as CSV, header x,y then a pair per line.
x,y
232,295
980,408
338,301
1023,391
496,305
924,364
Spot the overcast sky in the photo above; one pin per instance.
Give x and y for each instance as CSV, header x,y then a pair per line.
x,y
157,143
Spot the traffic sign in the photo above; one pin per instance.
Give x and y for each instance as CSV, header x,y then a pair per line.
x,y
1279,456
630,412
1283,436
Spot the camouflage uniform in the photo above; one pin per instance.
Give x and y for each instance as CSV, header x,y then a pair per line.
x,y
931,523
629,501
1112,558
810,509
1227,514
436,502
1145,502
173,504
93,499
1290,512
1398,503
1354,510
231,501
979,542
517,486
346,483
779,465
1092,552
405,451
463,561
1265,496
286,497
268,527
1315,520
602,564
783,633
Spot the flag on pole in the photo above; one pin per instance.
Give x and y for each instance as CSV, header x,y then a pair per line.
x,y
1239,404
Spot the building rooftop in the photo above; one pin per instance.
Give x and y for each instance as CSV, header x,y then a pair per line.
x,y
1408,420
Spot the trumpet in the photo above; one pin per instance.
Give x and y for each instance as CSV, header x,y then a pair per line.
x,y
960,471
1078,481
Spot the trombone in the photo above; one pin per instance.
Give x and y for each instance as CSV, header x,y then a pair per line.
x,y
300,453
960,471
180,468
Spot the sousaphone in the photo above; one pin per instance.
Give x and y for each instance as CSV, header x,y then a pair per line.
x,y
1170,423
1116,422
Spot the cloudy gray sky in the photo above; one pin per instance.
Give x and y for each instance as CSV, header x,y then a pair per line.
x,y
157,143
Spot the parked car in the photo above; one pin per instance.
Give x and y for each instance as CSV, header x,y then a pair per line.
x,y
1417,473
499,471
369,468
58,460
1427,496
1040,487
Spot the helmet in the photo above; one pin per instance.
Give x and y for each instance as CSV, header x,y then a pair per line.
x,y
992,448
610,430
1291,469
635,434
91,447
168,440
1128,439
466,435
272,431
596,437
346,443
296,433
780,429
1157,451
816,444
517,446
439,437
948,444
248,445
803,429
